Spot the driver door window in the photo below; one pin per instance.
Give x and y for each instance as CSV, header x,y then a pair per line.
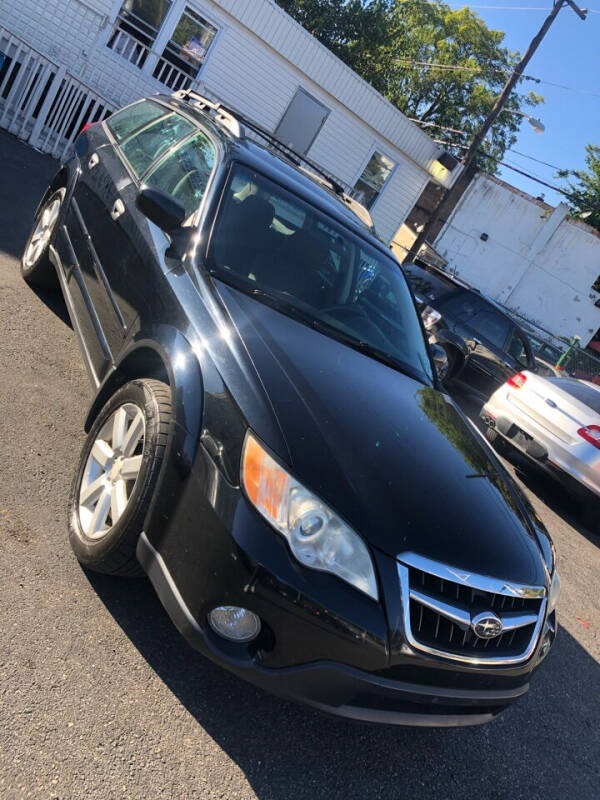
x,y
185,172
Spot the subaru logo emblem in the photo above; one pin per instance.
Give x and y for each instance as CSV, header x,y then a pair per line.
x,y
487,625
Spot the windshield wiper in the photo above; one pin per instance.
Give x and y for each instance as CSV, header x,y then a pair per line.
x,y
280,304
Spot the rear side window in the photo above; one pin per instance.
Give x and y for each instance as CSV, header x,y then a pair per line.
x,y
130,120
492,326
185,172
585,394
153,140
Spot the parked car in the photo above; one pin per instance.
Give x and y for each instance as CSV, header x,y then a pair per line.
x,y
546,357
484,344
555,422
267,431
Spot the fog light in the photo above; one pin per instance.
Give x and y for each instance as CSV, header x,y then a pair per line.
x,y
234,623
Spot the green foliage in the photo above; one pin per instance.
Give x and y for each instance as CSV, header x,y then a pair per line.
x,y
382,40
585,191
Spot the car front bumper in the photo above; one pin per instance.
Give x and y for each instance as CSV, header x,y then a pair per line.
x,y
330,686
322,643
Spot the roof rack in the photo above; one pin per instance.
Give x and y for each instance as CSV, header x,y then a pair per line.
x,y
223,116
235,123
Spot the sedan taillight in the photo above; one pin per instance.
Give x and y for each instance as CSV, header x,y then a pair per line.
x,y
517,380
430,316
591,433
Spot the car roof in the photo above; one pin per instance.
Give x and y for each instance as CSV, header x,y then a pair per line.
x,y
445,284
274,165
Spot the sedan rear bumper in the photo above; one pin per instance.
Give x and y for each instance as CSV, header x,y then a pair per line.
x,y
333,687
540,446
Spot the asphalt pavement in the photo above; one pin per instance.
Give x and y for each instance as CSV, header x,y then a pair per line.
x,y
101,698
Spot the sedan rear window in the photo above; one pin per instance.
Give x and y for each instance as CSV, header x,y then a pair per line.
x,y
269,242
580,391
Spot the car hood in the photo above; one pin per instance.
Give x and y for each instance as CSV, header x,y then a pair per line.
x,y
395,458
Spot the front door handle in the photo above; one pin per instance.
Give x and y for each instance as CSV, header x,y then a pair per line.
x,y
117,209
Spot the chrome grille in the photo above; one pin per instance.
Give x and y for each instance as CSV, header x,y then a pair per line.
x,y
442,606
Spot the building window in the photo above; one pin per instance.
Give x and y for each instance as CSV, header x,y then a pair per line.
x,y
303,119
138,27
371,182
186,50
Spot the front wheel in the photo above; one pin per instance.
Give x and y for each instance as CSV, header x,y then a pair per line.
x,y
116,477
36,267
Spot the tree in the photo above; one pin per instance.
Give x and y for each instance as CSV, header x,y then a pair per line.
x,y
391,43
352,29
585,192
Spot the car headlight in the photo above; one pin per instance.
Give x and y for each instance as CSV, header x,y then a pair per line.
x,y
554,591
317,537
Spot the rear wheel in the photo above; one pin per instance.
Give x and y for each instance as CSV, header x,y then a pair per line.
x,y
499,442
491,434
116,477
36,267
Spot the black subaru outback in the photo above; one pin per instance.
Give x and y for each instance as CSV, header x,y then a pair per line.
x,y
268,440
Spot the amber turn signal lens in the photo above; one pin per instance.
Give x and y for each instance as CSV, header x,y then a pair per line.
x,y
265,482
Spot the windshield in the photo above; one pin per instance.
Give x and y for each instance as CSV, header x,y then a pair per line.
x,y
270,242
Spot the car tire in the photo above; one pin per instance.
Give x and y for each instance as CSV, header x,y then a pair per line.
x,y
491,434
497,441
36,267
117,475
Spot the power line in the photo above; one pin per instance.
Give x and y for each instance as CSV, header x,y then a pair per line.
x,y
532,158
465,68
457,130
489,7
515,169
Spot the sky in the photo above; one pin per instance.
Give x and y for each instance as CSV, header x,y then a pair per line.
x,y
569,55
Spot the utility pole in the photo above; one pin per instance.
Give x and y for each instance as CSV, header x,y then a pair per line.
x,y
447,198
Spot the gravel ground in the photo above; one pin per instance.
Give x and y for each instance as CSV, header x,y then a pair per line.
x,y
101,698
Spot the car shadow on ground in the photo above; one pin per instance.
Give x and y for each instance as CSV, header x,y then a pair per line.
x,y
53,299
544,746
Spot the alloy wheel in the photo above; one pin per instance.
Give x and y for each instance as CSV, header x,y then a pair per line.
x,y
111,470
43,231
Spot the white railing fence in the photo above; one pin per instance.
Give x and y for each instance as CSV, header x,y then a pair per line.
x,y
42,102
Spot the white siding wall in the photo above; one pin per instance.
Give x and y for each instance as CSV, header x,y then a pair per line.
x,y
259,59
535,260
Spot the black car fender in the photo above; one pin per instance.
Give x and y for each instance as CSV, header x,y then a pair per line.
x,y
164,353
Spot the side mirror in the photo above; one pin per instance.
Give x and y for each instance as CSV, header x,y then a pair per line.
x,y
440,359
160,208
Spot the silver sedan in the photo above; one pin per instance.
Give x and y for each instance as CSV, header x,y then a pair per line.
x,y
553,421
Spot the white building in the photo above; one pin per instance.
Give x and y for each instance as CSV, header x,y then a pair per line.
x,y
72,58
527,255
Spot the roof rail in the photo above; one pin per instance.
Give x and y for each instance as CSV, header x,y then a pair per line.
x,y
235,123
223,116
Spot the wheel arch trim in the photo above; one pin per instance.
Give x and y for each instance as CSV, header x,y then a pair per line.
x,y
161,352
